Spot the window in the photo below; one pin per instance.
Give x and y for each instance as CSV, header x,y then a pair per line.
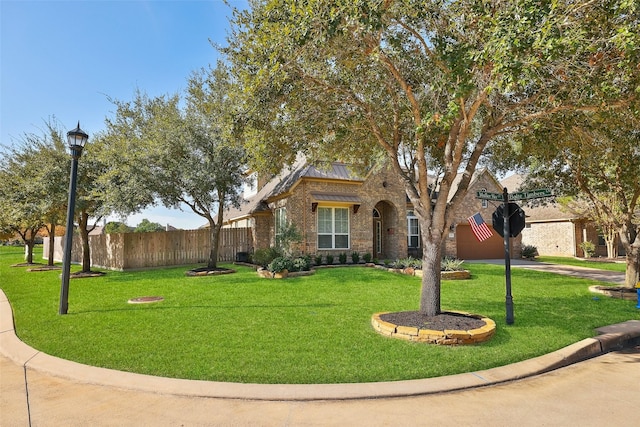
x,y
413,230
333,228
485,203
280,224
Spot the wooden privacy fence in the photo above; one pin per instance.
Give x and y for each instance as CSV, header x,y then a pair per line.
x,y
128,251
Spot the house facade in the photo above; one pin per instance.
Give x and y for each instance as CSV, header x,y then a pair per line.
x,y
337,211
555,231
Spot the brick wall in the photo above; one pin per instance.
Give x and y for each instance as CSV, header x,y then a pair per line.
x,y
380,186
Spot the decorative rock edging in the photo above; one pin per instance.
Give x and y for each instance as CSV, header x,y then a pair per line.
x,y
145,300
445,275
455,275
629,294
192,273
446,337
263,272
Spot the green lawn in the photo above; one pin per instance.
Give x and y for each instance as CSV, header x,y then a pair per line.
x,y
314,329
602,265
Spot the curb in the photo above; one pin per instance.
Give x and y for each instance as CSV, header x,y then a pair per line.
x,y
613,337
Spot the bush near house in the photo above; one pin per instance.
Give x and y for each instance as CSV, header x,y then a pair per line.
x,y
302,263
263,257
589,249
529,251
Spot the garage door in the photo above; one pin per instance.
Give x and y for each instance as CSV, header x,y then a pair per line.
x,y
468,247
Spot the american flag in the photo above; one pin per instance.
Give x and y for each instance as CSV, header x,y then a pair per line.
x,y
480,228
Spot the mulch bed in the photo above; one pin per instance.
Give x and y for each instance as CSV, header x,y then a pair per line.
x,y
86,274
439,322
616,292
206,271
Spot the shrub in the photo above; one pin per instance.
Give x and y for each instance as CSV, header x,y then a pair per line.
x,y
355,257
529,251
263,257
342,258
588,248
451,264
409,262
329,259
318,259
302,263
367,257
279,264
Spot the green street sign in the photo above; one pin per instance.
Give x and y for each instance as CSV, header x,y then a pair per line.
x,y
485,195
532,194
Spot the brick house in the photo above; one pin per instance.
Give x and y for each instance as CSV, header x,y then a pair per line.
x,y
557,232
337,211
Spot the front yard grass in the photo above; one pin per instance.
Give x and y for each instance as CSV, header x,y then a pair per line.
x,y
314,329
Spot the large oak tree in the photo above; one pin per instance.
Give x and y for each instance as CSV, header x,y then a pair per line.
x,y
177,151
430,85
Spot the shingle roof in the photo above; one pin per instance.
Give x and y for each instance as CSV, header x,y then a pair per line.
x,y
285,181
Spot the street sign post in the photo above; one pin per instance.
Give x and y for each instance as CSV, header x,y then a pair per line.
x,y
505,198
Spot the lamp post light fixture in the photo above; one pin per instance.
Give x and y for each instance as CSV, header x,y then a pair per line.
x,y
76,139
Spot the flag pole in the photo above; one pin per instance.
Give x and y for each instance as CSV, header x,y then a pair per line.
x,y
507,257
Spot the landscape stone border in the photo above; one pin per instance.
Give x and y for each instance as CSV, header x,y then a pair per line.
x,y
263,272
629,294
444,275
192,273
446,337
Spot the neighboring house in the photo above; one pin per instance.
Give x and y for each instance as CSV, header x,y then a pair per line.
x,y
337,211
554,231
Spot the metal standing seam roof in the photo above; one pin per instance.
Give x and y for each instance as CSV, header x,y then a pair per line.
x,y
335,197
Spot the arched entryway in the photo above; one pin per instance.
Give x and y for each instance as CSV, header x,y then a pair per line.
x,y
385,232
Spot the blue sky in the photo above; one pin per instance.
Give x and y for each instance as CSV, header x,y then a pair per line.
x,y
64,59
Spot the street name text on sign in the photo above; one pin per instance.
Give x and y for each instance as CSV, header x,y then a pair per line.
x,y
521,195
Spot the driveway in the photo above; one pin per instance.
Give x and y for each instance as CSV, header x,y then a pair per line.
x,y
566,270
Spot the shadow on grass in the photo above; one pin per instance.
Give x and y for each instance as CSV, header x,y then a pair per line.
x,y
157,306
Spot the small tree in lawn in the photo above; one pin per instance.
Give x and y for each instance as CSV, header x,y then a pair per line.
x,y
162,151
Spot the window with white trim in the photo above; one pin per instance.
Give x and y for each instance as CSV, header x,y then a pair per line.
x,y
280,223
333,228
413,230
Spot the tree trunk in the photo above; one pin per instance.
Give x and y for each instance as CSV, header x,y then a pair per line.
x,y
431,264
84,236
215,226
29,238
30,242
630,239
612,247
215,238
632,273
52,240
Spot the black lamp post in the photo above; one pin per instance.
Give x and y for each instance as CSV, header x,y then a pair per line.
x,y
76,139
